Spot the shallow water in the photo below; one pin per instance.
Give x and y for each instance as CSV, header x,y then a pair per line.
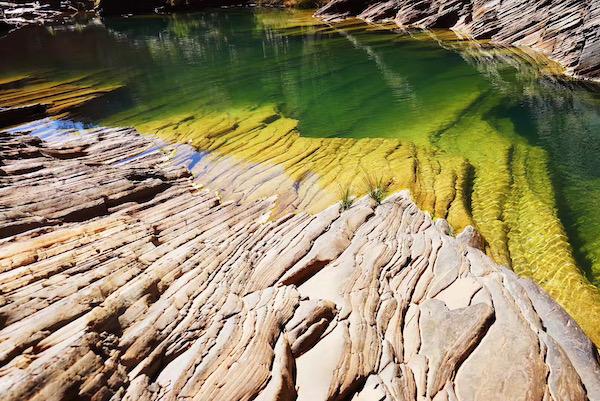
x,y
345,83
531,139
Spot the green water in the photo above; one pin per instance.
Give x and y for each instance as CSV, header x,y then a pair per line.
x,y
338,82
356,84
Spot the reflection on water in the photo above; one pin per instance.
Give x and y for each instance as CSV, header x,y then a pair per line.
x,y
365,84
530,141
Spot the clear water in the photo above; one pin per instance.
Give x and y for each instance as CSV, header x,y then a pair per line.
x,y
356,84
346,81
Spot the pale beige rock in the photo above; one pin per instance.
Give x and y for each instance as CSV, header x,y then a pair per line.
x,y
567,31
123,281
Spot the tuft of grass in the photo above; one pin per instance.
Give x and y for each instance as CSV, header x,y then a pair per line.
x,y
377,187
346,197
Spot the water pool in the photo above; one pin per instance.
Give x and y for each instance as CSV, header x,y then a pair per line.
x,y
284,104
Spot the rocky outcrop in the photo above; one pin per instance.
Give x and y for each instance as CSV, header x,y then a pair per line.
x,y
16,14
110,7
121,279
566,31
253,153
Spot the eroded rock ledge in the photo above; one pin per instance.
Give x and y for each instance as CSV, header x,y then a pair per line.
x,y
20,13
122,280
567,31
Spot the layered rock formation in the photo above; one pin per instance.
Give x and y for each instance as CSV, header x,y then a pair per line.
x,y
566,31
19,13
121,279
253,153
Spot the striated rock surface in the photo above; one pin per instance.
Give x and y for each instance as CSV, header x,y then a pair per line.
x,y
566,31
253,153
15,14
121,279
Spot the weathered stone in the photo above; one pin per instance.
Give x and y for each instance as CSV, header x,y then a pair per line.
x,y
565,31
162,291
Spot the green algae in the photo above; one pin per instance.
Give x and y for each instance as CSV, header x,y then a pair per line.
x,y
279,103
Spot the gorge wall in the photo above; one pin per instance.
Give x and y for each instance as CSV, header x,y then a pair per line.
x,y
566,31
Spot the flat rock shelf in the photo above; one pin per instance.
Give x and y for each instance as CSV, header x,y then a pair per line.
x,y
122,279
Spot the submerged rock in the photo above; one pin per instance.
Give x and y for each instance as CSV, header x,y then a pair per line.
x,y
566,31
255,153
127,282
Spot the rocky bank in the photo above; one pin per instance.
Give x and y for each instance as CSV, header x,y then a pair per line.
x,y
565,31
122,279
15,14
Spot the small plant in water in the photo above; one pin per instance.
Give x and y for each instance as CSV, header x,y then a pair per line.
x,y
377,187
346,197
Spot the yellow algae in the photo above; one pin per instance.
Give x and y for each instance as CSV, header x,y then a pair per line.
x,y
459,212
287,20
60,96
470,174
11,81
534,225
513,206
255,136
489,152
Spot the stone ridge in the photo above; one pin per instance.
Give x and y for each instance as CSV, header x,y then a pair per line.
x,y
567,31
122,280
